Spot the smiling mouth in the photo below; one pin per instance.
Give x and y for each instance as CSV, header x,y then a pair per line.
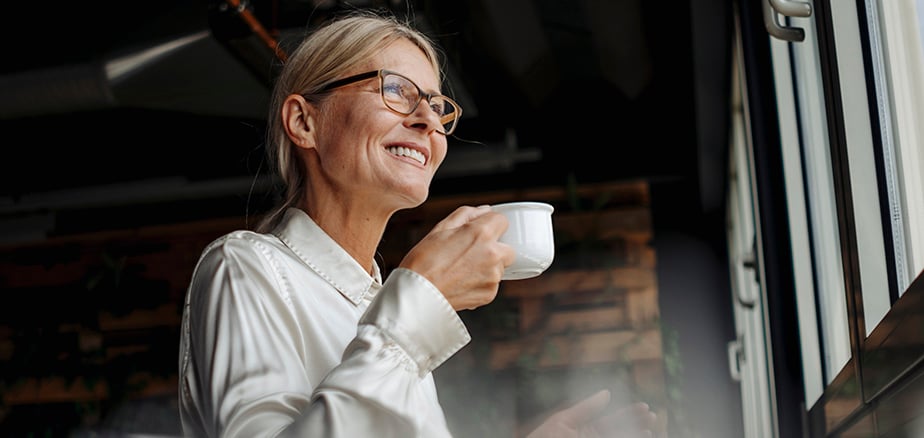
x,y
407,152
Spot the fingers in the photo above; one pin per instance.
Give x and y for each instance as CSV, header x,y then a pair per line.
x,y
632,421
585,410
462,257
461,216
640,412
509,255
491,226
586,419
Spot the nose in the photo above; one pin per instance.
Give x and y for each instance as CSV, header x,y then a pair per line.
x,y
424,116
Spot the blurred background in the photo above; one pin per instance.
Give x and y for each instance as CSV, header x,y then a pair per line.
x,y
133,136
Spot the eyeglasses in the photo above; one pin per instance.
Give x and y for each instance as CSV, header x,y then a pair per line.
x,y
402,96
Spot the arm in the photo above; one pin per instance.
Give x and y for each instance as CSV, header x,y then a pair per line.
x,y
247,375
402,337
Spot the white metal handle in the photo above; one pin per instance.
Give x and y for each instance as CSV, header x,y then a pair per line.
x,y
792,8
772,21
734,359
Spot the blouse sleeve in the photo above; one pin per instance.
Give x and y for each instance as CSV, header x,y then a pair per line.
x,y
241,373
408,331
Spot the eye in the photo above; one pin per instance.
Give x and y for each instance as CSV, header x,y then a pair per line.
x,y
438,106
393,89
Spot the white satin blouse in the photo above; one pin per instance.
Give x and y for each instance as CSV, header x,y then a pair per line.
x,y
285,334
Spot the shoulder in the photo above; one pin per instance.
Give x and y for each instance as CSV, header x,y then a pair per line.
x,y
241,242
238,262
240,250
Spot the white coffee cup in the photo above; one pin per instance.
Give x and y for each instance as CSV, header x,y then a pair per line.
x,y
530,234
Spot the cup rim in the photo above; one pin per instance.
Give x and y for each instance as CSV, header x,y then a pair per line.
x,y
527,204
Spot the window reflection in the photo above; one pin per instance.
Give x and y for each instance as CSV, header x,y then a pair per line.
x,y
902,70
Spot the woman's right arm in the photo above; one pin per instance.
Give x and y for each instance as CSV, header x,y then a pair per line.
x,y
243,374
378,390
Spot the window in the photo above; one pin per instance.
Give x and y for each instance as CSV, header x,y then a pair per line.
x,y
847,84
897,43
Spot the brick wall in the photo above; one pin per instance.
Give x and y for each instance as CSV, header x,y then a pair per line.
x,y
90,324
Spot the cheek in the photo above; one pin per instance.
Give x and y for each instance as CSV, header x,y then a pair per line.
x,y
357,124
336,126
440,150
331,140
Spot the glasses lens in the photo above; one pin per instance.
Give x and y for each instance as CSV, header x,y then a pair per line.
x,y
399,93
446,110
402,95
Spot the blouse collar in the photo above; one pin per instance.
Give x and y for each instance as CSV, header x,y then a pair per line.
x,y
326,257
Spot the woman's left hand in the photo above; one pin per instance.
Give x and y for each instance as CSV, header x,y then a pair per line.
x,y
584,420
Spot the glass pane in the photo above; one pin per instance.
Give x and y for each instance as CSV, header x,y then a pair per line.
x,y
900,71
813,216
822,210
872,280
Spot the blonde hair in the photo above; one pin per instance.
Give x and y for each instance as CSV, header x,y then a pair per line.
x,y
325,55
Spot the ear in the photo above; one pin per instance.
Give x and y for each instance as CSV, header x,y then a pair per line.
x,y
299,121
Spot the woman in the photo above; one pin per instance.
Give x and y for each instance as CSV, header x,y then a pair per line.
x,y
290,330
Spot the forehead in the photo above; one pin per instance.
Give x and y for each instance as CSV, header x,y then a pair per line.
x,y
405,57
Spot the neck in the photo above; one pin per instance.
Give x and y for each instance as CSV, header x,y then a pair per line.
x,y
358,230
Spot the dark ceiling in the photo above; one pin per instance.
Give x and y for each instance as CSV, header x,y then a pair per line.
x,y
118,113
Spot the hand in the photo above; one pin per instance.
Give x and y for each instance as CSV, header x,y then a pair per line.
x,y
462,257
584,420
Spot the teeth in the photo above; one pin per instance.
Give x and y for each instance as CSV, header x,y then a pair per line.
x,y
405,152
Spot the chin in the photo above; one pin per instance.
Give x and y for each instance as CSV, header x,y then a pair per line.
x,y
414,200
418,202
